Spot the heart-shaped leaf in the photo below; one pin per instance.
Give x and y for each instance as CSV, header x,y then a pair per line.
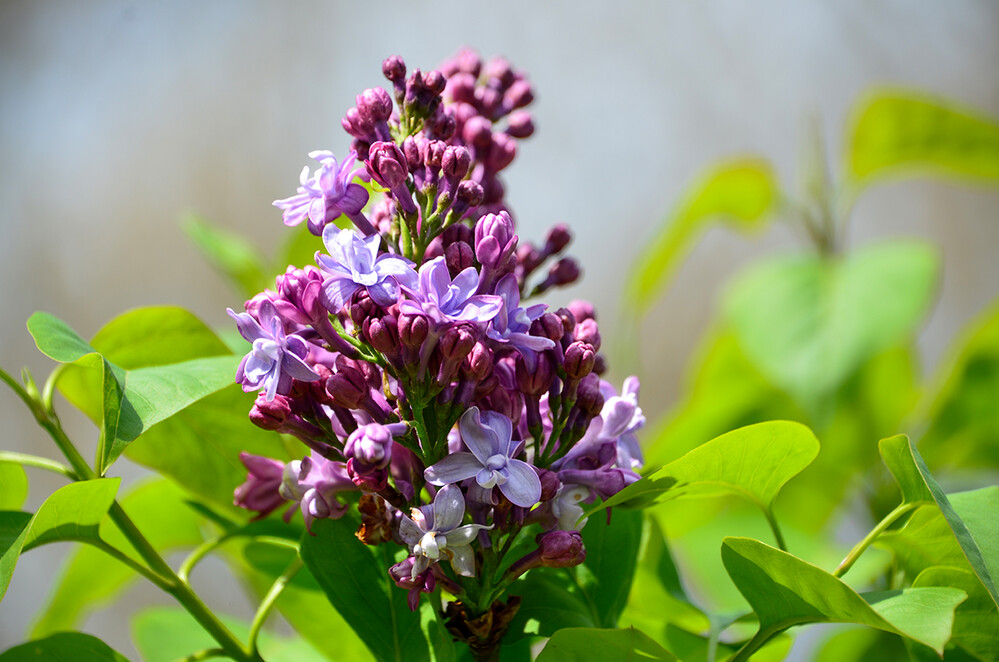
x,y
808,322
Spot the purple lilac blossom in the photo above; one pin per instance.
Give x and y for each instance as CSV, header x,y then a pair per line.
x,y
433,532
276,358
326,195
260,492
354,263
446,301
512,324
488,435
314,483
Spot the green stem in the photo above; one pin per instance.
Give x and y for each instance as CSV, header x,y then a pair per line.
x,y
20,391
199,552
757,642
205,654
268,602
778,536
861,546
116,553
38,463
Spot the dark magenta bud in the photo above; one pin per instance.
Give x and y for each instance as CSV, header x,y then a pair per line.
x,y
477,131
535,383
520,125
361,307
558,238
270,415
568,320
548,326
455,162
549,484
469,195
457,342
441,125
502,151
383,334
478,364
261,491
587,331
582,310
435,154
434,81
411,147
458,257
500,69
579,360
387,165
589,399
394,69
347,387
375,105
518,95
561,549
564,272
413,330
461,87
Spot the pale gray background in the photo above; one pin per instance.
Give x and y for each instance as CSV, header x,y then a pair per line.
x,y
118,117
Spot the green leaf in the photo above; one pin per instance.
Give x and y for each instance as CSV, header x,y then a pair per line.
x,y
611,558
902,132
785,591
159,511
964,419
976,621
808,322
584,644
13,486
691,647
231,255
56,340
63,647
740,193
551,600
156,335
753,462
166,634
72,512
980,505
897,454
356,581
198,448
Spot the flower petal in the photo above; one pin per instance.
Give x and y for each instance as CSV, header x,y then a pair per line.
x,y
449,508
478,437
452,469
462,560
524,487
248,327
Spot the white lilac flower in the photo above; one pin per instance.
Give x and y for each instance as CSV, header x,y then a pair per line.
x,y
488,435
433,533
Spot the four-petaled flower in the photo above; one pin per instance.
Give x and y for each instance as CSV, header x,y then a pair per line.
x,y
326,195
488,435
446,301
354,263
433,532
276,358
512,324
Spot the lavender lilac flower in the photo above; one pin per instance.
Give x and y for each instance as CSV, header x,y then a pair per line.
x,y
424,386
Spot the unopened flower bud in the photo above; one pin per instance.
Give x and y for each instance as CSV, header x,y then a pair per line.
x,y
383,334
587,331
270,415
394,69
458,257
347,387
502,151
478,364
387,165
558,238
500,69
561,549
579,360
536,382
548,326
370,445
435,81
589,399
260,492
455,162
518,95
413,330
564,272
478,131
582,310
549,484
375,105
520,125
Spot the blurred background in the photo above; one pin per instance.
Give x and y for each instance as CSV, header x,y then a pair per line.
x,y
117,118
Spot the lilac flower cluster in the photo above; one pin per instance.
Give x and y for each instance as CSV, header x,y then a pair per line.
x,y
448,414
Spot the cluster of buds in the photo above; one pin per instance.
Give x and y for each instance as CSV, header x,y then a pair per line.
x,y
449,413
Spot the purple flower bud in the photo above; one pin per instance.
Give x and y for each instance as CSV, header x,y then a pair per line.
x,y
435,81
568,320
461,87
587,331
347,387
500,69
260,491
495,239
582,310
478,131
383,334
441,125
469,193
549,484
457,342
394,70
371,445
387,165
375,104
411,147
579,359
357,124
520,125
548,326
558,238
590,400
455,162
561,549
535,382
270,415
413,330
502,151
458,257
518,95
478,364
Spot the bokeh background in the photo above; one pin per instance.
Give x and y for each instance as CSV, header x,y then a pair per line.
x,y
117,118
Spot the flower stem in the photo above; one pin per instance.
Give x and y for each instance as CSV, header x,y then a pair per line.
x,y
268,602
861,546
38,462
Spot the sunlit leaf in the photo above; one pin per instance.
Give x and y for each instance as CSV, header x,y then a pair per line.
x,y
63,647
159,511
231,255
784,591
13,486
740,193
901,131
585,644
976,621
73,512
808,322
356,581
